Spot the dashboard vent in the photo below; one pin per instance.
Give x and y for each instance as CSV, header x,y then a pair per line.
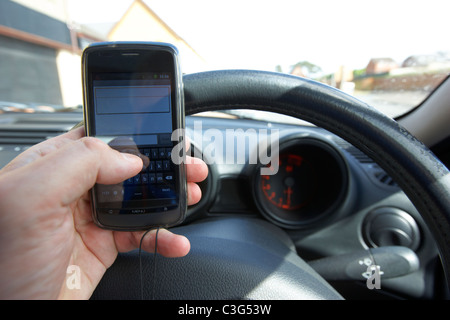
x,y
359,155
384,178
376,173
355,152
380,176
26,137
24,131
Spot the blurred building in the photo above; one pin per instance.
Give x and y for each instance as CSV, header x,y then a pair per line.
x,y
141,23
40,48
40,53
380,65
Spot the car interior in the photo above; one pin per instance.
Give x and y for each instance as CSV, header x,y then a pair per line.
x,y
357,208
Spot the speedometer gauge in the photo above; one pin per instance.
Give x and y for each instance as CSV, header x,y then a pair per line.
x,y
294,185
310,183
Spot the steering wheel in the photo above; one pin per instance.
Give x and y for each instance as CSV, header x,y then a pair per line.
x,y
238,258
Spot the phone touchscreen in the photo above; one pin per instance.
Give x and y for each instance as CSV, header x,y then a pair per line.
x,y
134,115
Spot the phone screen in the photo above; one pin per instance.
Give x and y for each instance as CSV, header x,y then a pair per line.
x,y
134,108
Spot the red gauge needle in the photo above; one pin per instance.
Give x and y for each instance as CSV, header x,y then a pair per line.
x,y
288,198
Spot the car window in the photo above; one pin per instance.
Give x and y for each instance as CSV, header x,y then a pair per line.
x,y
391,54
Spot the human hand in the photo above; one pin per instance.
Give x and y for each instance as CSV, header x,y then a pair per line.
x,y
46,223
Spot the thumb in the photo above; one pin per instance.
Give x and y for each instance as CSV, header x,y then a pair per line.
x,y
69,172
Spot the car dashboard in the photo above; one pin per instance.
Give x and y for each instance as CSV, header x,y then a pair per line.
x,y
328,196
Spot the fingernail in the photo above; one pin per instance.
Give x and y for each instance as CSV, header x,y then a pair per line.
x,y
130,157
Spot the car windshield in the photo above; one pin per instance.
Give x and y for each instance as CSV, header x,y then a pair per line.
x,y
390,54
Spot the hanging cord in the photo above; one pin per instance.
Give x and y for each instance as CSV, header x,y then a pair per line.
x,y
154,263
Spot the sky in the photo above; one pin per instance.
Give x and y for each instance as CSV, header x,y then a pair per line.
x,y
261,34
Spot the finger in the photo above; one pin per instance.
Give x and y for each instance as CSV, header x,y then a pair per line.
x,y
70,171
42,149
194,193
168,244
196,169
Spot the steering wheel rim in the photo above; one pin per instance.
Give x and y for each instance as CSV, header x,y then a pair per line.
x,y
423,177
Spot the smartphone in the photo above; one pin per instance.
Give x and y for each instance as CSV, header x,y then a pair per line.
x,y
133,100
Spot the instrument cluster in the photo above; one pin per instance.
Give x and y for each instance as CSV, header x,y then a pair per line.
x,y
310,183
